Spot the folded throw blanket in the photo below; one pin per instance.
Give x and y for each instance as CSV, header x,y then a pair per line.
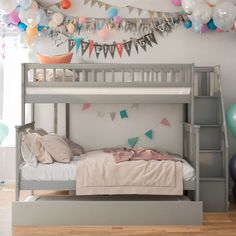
x,y
123,154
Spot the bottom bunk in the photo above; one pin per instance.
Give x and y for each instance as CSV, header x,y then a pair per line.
x,y
113,187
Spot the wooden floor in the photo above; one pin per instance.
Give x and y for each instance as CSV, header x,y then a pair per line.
x,y
214,224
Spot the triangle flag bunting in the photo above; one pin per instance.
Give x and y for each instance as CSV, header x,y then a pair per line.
x,y
123,114
149,134
86,106
112,115
165,122
77,43
132,141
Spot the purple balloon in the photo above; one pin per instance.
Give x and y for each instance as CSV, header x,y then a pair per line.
x,y
204,29
14,18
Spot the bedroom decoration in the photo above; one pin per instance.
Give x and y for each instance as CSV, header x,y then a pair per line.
x,y
56,59
4,131
86,106
132,141
65,4
231,119
165,122
149,134
123,114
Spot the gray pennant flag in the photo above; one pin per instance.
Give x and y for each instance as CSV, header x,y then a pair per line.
x,y
139,11
93,2
84,46
105,50
127,46
112,115
107,6
98,49
135,44
71,44
151,37
147,40
130,9
142,42
112,49
86,2
100,4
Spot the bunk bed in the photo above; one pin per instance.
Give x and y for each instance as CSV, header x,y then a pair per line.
x,y
112,83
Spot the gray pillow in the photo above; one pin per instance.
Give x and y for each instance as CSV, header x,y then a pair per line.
x,y
57,147
75,148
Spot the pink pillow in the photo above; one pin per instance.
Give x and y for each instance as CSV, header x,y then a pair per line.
x,y
57,59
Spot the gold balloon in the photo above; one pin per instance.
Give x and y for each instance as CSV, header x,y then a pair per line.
x,y
71,28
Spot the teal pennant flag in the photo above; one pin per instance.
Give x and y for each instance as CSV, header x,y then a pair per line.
x,y
132,141
149,134
123,114
77,44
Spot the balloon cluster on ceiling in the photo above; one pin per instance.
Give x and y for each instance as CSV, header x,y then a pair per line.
x,y
205,15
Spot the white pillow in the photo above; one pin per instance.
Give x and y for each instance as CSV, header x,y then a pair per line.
x,y
28,156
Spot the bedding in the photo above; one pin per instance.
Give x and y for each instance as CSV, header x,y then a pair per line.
x,y
67,172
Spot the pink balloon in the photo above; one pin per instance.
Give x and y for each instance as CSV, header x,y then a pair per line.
x,y
14,18
177,2
204,29
103,34
82,20
117,20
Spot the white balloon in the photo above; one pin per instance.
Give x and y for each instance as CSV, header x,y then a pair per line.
x,y
224,15
8,6
57,18
43,17
32,17
22,16
188,5
197,27
24,4
202,13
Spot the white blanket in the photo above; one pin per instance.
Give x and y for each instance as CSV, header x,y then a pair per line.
x,y
98,174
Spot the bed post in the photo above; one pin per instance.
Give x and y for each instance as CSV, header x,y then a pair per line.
x,y
23,77
67,119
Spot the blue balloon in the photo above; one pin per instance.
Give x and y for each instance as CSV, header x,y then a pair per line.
x,y
4,131
22,27
41,28
188,24
112,12
211,25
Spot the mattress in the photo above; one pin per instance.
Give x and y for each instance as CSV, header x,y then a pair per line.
x,y
67,172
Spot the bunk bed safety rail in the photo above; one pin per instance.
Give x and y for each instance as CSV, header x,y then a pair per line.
x,y
125,75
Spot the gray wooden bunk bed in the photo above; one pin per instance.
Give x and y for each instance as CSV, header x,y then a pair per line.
x,y
197,89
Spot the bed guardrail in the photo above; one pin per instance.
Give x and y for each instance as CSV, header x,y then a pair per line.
x,y
19,158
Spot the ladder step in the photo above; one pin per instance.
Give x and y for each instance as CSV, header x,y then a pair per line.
x,y
205,97
213,179
210,126
210,151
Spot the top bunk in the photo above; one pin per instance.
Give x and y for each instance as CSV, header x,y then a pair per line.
x,y
107,83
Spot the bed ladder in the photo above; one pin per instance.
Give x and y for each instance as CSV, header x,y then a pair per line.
x,y
209,113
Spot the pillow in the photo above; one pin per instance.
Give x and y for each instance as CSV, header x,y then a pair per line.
x,y
57,147
33,142
39,131
75,148
58,77
28,157
55,59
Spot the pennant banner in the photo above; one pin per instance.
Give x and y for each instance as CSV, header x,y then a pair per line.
x,y
105,50
71,44
123,114
112,49
86,106
77,44
120,47
133,141
127,46
84,46
165,122
142,43
98,49
112,115
91,46
149,134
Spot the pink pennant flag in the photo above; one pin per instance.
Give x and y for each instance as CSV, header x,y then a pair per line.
x,y
165,122
86,106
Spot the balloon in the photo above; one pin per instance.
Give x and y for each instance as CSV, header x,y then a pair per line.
x,y
32,17
43,17
103,34
211,25
232,167
22,27
117,20
65,4
8,6
188,24
188,5
197,27
231,119
22,16
71,28
202,13
32,32
82,20
57,18
112,12
5,19
224,15
176,2
4,131
213,3
14,18
34,5
52,24
25,4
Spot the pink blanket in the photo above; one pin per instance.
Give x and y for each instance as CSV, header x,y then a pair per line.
x,y
123,154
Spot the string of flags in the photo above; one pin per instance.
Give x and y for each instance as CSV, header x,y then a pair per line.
x,y
148,134
90,46
106,6
123,113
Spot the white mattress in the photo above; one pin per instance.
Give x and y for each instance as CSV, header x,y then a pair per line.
x,y
67,172
108,91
